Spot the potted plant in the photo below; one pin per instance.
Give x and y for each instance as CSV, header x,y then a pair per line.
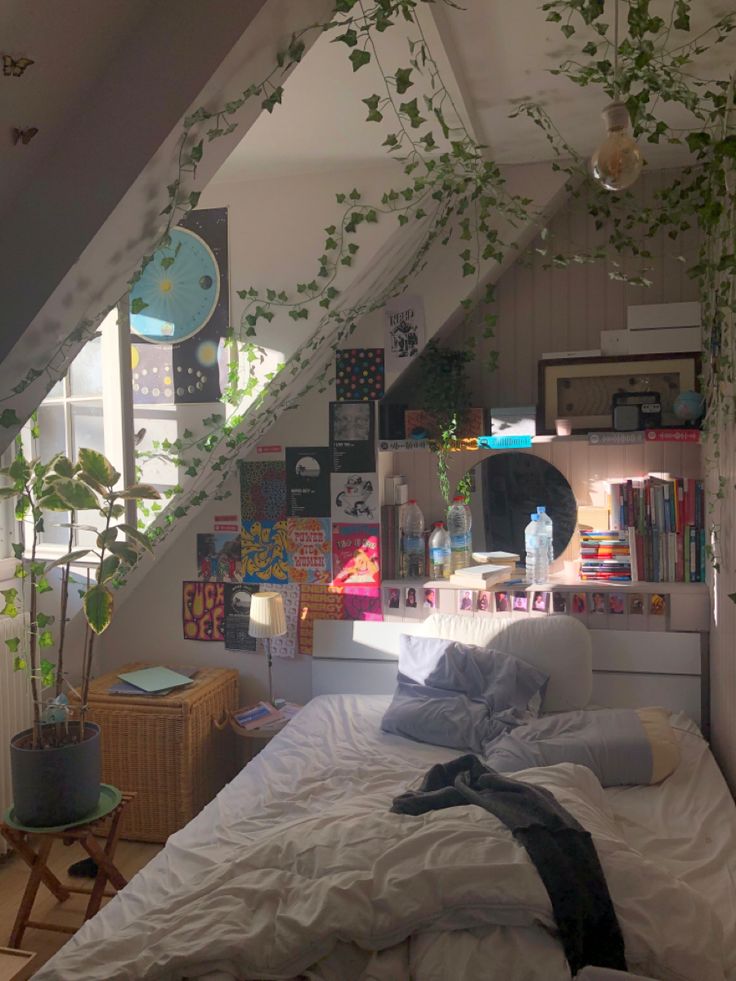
x,y
55,764
444,398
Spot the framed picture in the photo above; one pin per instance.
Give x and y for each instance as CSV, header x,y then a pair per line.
x,y
582,389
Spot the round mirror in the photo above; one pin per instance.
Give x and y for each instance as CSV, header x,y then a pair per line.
x,y
507,488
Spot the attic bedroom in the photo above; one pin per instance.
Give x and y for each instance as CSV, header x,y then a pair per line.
x,y
367,486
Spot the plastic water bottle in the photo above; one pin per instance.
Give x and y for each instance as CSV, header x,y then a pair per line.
x,y
439,552
537,552
412,542
546,522
459,522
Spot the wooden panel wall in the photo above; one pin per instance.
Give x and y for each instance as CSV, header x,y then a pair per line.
x,y
723,635
564,309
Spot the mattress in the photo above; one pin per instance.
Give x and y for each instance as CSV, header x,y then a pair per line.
x,y
334,749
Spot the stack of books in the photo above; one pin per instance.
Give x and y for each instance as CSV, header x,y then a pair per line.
x,y
607,556
666,518
484,576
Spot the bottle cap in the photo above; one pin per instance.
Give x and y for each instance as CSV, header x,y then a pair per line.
x,y
438,524
534,517
411,500
541,509
459,498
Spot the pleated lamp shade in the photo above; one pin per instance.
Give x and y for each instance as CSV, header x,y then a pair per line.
x,y
267,617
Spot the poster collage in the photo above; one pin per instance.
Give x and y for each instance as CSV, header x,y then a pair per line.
x,y
308,526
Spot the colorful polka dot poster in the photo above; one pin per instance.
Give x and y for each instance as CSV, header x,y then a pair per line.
x,y
359,374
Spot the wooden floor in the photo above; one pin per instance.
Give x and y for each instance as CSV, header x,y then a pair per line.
x,y
129,858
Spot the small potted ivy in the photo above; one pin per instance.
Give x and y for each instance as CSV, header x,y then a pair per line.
x,y
445,399
55,764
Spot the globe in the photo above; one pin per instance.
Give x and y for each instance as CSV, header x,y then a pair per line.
x,y
688,406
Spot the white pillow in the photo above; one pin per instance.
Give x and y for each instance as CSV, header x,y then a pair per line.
x,y
558,645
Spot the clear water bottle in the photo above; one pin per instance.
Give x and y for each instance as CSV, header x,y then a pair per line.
x,y
412,542
546,523
537,553
439,552
459,522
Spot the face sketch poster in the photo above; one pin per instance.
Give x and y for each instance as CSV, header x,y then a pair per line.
x,y
308,481
352,437
354,497
404,317
237,617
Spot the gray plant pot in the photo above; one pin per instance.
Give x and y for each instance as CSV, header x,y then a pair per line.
x,y
55,786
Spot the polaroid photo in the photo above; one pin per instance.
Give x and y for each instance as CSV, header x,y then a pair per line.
x,y
485,601
520,602
430,599
559,602
636,605
616,604
540,603
502,602
392,599
579,604
465,600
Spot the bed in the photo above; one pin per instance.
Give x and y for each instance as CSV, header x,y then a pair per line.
x,y
295,869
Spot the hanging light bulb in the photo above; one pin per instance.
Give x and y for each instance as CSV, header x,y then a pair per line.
x,y
618,160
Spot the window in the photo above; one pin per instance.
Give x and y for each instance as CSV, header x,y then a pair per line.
x,y
84,409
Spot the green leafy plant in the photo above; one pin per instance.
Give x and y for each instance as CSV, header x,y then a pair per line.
x,y
444,394
58,486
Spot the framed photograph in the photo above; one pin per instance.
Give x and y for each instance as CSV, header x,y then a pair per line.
x,y
582,389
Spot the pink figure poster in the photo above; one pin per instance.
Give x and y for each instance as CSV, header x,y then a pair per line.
x,y
356,564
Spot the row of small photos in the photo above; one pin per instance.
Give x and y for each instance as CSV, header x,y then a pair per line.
x,y
638,611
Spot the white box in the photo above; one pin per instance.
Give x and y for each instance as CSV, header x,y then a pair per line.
x,y
615,342
675,340
655,316
518,420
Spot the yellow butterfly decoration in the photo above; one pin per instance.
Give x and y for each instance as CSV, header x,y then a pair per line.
x,y
15,66
24,135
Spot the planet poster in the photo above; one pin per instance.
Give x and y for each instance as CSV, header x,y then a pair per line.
x,y
180,310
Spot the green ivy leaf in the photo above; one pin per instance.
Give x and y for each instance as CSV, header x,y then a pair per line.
x,y
359,58
46,639
350,37
402,79
9,419
11,607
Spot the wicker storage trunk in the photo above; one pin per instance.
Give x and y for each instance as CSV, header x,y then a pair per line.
x,y
166,749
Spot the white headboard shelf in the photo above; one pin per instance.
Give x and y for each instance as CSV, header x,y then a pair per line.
x,y
631,668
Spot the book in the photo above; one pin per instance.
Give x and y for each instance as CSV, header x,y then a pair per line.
x,y
487,571
470,580
257,716
125,688
155,680
495,558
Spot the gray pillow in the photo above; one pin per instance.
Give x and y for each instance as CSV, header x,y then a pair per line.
x,y
459,695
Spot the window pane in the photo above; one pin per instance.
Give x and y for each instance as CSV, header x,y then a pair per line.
x,y
85,374
52,431
87,427
87,539
52,533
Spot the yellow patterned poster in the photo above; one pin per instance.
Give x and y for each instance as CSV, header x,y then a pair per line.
x,y
264,548
203,610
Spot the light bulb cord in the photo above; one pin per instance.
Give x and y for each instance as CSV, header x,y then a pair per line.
x,y
615,50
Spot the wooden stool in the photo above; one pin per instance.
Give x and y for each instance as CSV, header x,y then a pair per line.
x,y
37,861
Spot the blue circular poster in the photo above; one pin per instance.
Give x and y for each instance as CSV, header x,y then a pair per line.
x,y
177,292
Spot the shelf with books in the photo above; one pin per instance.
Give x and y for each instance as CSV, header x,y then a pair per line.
x,y
664,518
603,438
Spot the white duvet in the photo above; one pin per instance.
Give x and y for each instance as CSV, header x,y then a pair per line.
x,y
298,867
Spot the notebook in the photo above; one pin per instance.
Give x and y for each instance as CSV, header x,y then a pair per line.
x,y
155,679
124,688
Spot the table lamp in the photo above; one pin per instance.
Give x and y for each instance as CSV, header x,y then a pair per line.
x,y
267,620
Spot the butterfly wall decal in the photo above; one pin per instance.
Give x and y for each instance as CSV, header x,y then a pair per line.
x,y
24,135
15,66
